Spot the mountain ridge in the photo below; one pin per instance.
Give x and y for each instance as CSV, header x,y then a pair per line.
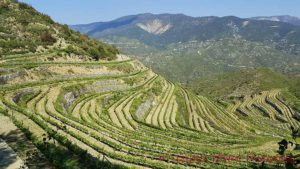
x,y
219,42
282,18
192,28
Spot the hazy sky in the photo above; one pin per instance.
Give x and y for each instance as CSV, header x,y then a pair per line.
x,y
86,11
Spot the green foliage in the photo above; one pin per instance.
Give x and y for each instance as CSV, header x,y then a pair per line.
x,y
71,49
94,53
4,7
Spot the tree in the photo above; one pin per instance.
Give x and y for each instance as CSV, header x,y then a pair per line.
x,y
283,145
294,133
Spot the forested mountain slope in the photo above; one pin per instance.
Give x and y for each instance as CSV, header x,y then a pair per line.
x,y
183,48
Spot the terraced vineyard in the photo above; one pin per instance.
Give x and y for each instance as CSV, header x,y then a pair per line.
x,y
116,113
123,113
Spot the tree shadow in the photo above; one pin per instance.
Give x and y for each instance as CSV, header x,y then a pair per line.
x,y
25,149
50,156
7,155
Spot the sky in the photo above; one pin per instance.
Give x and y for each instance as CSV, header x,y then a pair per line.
x,y
87,11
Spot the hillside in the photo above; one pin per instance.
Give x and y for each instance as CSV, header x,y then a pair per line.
x,y
81,112
249,82
245,82
23,30
201,46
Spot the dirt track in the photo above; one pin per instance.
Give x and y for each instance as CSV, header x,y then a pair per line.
x,y
8,157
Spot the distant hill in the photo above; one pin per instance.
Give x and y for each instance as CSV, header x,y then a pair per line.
x,y
283,18
24,30
182,48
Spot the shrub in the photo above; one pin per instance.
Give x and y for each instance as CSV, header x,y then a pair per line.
x,y
37,28
47,19
46,37
66,31
94,53
24,21
71,49
3,7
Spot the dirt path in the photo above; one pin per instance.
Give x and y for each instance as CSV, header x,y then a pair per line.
x,y
8,157
15,148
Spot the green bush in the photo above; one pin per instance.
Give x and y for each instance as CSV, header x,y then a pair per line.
x,y
94,53
3,7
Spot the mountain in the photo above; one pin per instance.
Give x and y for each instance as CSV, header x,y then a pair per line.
x,y
164,29
99,110
183,48
283,18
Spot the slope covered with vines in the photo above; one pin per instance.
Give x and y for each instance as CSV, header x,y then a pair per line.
x,y
133,117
